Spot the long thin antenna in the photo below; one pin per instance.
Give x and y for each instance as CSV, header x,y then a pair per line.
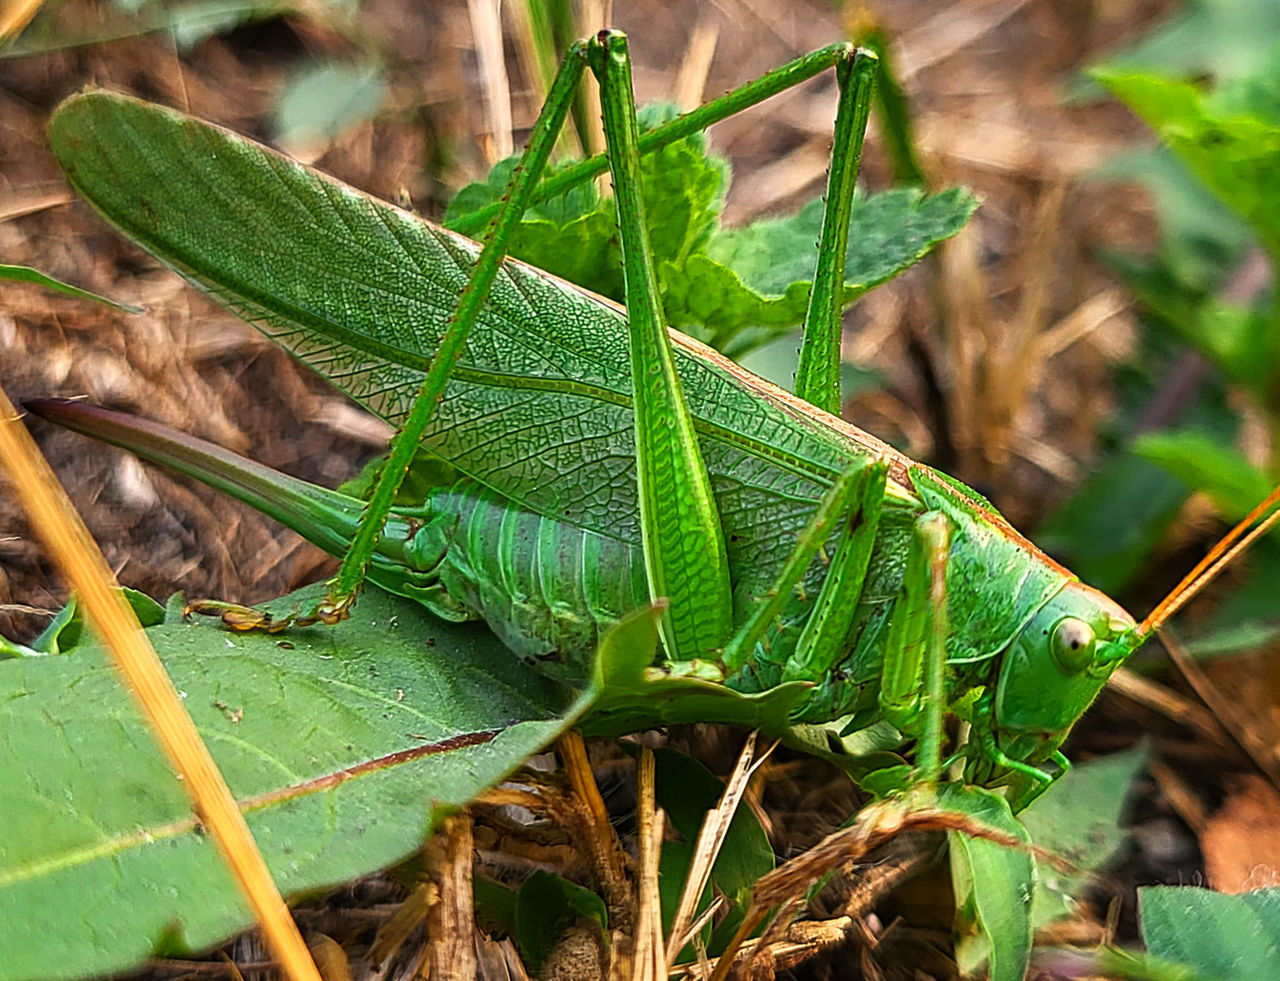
x,y
1231,545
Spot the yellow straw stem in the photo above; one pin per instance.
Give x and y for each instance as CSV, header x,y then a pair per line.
x,y
64,534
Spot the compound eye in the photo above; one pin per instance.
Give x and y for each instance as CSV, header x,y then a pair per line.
x,y
1072,645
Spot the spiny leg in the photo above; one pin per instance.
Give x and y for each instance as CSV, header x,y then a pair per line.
x,y
856,494
824,639
818,370
683,542
524,178
913,678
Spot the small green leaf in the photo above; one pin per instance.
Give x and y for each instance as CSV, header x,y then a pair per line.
x,y
1224,38
631,695
25,274
1205,464
1077,819
546,906
344,745
1230,938
1108,527
66,630
322,102
992,884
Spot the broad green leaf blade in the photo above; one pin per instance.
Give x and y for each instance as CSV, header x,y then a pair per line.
x,y
1230,938
1201,239
1077,819
1204,464
344,746
25,274
1224,38
686,790
760,275
1236,154
1108,527
361,290
992,885
546,905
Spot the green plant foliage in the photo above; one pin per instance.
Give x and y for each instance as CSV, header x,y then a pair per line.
x,y
1113,521
1228,938
1220,136
760,275
1227,39
631,695
1078,820
323,101
25,274
717,283
546,905
344,745
1233,483
992,884
686,790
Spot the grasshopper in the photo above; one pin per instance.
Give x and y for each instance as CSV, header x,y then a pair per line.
x,y
587,461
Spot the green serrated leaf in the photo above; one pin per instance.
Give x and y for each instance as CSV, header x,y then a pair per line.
x,y
1230,938
344,745
575,236
761,275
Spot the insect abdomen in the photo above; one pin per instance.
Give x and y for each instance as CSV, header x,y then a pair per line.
x,y
549,590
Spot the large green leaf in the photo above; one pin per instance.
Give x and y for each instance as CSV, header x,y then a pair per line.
x,y
344,746
717,282
1230,938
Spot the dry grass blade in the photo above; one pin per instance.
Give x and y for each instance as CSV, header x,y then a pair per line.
x,y
877,824
606,852
65,535
710,840
451,919
648,964
1262,754
17,15
486,27
691,80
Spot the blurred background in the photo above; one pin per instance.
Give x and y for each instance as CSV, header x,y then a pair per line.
x,y
1089,352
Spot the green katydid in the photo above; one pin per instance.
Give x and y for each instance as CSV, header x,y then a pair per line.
x,y
558,508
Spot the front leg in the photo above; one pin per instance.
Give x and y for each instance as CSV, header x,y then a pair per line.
x,y
913,678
